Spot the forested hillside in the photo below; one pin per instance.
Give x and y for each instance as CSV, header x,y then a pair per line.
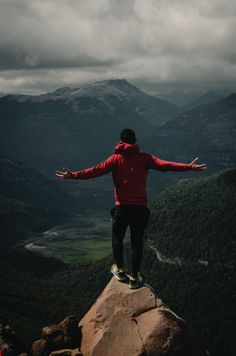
x,y
29,202
195,219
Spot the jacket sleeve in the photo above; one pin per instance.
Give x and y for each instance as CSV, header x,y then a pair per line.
x,y
95,171
156,163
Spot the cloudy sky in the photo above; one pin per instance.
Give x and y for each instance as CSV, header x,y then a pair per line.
x,y
158,45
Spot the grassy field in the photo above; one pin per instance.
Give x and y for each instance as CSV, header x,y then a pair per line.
x,y
83,238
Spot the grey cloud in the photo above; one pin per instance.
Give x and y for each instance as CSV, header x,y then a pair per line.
x,y
22,59
155,43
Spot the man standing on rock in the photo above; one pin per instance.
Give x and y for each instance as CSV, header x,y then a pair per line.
x,y
129,169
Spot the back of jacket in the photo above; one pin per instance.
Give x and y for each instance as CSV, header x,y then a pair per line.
x,y
129,175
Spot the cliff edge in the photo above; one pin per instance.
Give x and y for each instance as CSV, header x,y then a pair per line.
x,y
124,322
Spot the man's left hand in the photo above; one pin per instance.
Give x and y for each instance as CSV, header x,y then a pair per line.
x,y
197,167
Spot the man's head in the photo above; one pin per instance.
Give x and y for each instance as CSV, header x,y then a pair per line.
x,y
128,136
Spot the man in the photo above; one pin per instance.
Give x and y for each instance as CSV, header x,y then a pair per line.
x,y
129,169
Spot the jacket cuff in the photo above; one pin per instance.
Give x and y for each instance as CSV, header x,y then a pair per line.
x,y
74,175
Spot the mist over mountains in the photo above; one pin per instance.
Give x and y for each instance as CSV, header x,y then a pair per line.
x,y
204,99
193,98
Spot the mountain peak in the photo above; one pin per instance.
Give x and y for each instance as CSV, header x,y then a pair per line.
x,y
114,87
122,84
62,91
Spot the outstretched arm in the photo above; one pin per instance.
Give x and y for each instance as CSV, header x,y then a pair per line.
x,y
162,165
92,172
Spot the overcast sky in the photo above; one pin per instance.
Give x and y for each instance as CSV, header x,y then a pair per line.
x,y
157,45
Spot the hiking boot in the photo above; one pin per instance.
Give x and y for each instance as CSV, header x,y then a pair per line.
x,y
136,283
119,273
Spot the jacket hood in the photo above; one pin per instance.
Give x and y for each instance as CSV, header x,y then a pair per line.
x,y
124,148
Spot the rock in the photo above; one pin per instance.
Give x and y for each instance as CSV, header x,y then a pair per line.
x,y
65,335
40,347
66,352
10,343
125,322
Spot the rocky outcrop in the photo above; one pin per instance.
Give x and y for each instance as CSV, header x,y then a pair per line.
x,y
126,322
10,343
64,337
122,322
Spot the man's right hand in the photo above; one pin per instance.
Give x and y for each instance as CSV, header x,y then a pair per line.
x,y
67,174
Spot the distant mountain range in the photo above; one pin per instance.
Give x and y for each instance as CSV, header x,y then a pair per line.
x,y
204,99
79,127
192,220
207,132
76,127
191,98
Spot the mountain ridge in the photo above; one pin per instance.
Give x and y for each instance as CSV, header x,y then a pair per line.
x,y
51,130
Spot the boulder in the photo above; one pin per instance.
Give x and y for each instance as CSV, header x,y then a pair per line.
x,y
65,335
66,352
125,322
40,347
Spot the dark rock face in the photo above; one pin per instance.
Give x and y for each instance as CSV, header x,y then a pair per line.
x,y
135,323
10,343
65,335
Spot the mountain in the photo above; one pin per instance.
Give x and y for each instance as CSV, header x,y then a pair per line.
x,y
207,132
204,99
181,97
76,127
29,202
189,99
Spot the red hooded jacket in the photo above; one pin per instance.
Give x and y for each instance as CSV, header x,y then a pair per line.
x,y
129,169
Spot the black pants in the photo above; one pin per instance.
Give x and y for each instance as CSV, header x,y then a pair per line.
x,y
136,217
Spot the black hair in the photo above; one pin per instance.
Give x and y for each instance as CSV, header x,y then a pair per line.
x,y
128,136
